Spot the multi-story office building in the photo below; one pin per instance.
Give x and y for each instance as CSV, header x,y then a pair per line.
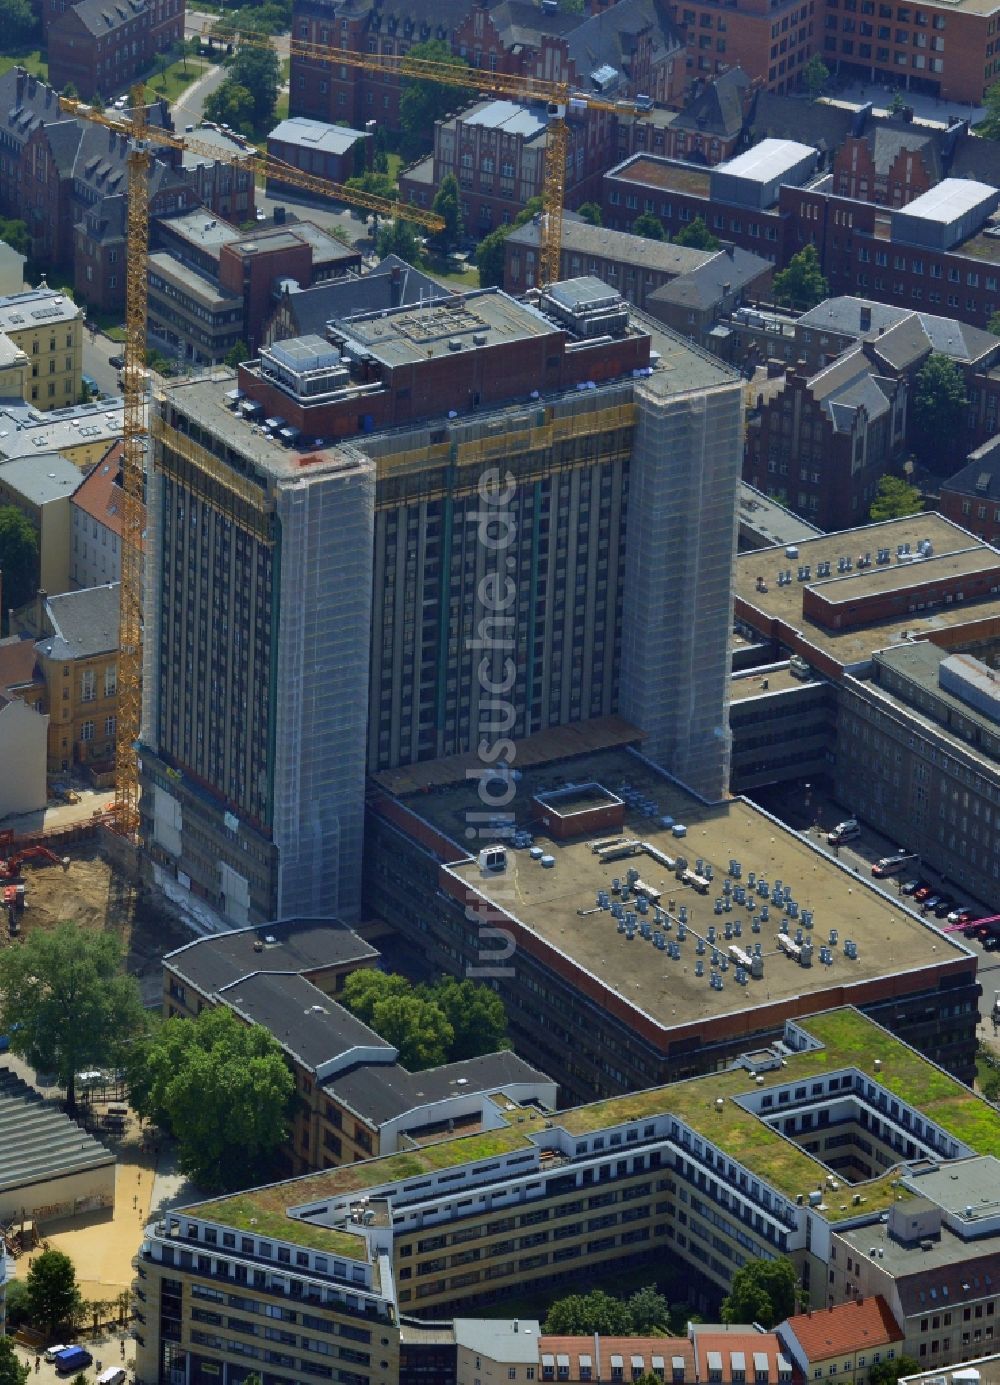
x,y
808,1149
918,755
585,999
394,427
48,329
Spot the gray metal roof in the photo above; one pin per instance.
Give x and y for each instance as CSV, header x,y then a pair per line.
x,y
507,116
85,623
38,1142
42,478
508,1340
951,199
767,160
383,1092
315,134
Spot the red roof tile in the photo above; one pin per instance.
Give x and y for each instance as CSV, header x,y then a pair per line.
x,y
739,1343
98,496
839,1331
17,663
602,1349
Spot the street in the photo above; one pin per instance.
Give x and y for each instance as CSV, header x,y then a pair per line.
x,y
97,348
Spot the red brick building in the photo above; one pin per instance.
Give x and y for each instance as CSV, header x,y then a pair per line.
x,y
822,443
100,46
972,496
633,46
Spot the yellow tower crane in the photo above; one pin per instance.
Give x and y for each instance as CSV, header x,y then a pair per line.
x,y
561,99
142,136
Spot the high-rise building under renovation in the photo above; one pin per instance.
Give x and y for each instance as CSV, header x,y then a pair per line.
x,y
433,531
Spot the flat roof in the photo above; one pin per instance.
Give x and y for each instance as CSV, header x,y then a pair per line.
x,y
762,515
847,1039
42,478
920,662
39,307
305,946
949,200
579,237
767,160
411,335
26,432
316,135
843,589
197,285
656,171
853,648
509,117
304,1021
944,1252
964,1184
559,905
202,228
744,686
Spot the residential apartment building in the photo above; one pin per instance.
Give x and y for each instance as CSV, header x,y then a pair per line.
x,y
96,523
581,1003
13,370
47,327
845,1341
379,406
925,727
355,1100
82,433
42,488
626,49
76,646
821,443
102,46
341,1256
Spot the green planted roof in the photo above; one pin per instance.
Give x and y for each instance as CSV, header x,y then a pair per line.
x,y
848,1039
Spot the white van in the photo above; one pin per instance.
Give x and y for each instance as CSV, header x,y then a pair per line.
x,y
114,1375
845,831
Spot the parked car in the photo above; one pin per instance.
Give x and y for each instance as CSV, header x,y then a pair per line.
x,y
944,906
90,384
71,1360
961,915
912,886
53,1352
923,893
116,362
845,831
931,902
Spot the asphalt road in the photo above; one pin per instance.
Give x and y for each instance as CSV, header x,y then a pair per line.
x,y
190,107
97,348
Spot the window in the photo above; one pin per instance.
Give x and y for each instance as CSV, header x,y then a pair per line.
x,y
110,680
87,685
110,726
87,731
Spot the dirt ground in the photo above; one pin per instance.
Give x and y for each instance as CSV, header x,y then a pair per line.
x,y
95,895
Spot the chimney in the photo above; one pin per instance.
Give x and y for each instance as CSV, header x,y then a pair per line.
x,y
866,319
40,601
396,285
726,290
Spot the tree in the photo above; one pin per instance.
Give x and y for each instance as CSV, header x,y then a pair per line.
x,y
650,1312
490,256
378,184
815,74
364,989
802,285
895,499
897,103
221,1087
15,233
888,1372
18,22
581,1315
528,212
237,354
17,1305
591,211
415,1026
475,1013
448,203
648,226
989,126
11,1370
399,238
53,1294
18,558
937,410
763,1291
67,1004
423,102
259,71
231,104
697,235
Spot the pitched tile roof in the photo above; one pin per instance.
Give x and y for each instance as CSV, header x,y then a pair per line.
x,y
84,622
718,109
844,1329
980,477
99,496
715,1347
600,1353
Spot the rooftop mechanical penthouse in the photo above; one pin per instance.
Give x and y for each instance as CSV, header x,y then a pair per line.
x,y
820,1140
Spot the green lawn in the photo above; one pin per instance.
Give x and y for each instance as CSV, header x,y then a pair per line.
x,y
177,77
31,59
